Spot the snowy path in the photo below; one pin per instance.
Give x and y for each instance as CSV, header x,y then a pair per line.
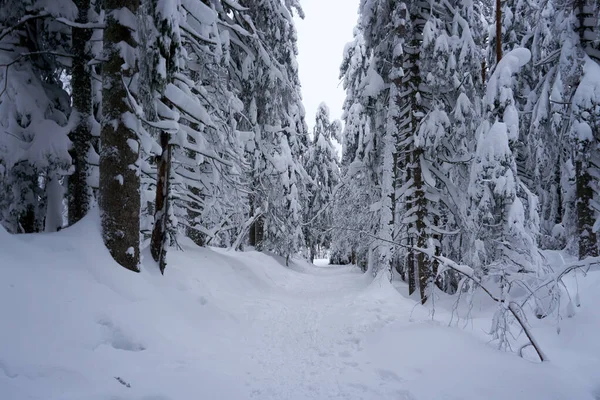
x,y
237,326
307,341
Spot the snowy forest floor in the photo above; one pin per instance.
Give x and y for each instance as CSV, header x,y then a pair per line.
x,y
241,325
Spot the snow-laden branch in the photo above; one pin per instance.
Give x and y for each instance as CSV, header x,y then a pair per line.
x,y
72,24
468,273
21,22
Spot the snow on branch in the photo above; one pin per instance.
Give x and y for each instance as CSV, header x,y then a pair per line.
x,y
468,273
72,24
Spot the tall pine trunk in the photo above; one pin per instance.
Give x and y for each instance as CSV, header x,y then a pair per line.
x,y
498,32
410,256
420,202
256,232
588,244
159,241
119,178
79,197
193,214
416,203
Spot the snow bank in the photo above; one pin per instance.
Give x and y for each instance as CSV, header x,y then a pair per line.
x,y
227,325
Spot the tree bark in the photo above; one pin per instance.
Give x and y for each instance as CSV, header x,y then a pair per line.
x,y
498,32
421,204
119,177
80,194
256,233
159,240
588,244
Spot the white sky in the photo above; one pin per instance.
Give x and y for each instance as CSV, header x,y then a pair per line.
x,y
322,36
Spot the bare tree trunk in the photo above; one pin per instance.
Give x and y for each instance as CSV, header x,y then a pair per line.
x,y
410,256
119,154
256,233
588,244
421,205
589,35
159,241
252,230
498,32
27,220
79,197
259,231
558,217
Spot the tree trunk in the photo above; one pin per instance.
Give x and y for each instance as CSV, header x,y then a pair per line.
x,y
259,232
588,245
197,237
255,235
558,217
421,205
589,36
27,220
80,194
410,257
119,178
498,32
193,215
159,242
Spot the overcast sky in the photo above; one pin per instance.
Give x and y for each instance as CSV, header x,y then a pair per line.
x,y
322,36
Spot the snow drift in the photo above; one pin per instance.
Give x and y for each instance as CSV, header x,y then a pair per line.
x,y
230,325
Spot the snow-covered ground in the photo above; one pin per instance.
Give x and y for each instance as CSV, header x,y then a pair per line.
x,y
231,325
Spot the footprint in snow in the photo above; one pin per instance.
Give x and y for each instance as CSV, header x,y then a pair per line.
x,y
117,338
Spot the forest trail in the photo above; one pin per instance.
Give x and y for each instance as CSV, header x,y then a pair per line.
x,y
241,325
310,339
305,331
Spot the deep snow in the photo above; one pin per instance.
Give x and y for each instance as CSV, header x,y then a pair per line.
x,y
241,325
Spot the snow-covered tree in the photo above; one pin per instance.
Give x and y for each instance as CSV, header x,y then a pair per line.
x,y
357,191
276,118
34,113
321,164
505,211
